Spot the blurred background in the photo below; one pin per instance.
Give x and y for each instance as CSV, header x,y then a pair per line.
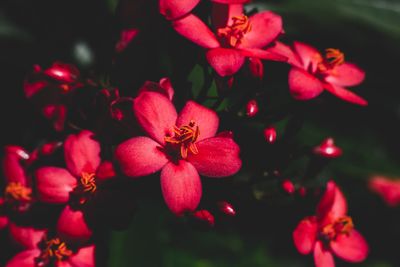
x,y
84,33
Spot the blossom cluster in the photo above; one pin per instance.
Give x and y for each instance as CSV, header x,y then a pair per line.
x,y
106,138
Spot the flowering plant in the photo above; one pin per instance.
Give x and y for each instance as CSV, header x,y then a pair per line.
x,y
196,133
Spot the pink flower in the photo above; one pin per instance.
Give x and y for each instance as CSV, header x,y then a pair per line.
x,y
236,36
312,72
330,232
75,184
47,252
388,189
181,146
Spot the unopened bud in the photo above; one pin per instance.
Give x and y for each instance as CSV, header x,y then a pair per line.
x,y
251,108
270,135
328,149
288,186
226,208
204,216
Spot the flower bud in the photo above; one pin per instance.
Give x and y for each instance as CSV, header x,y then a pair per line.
x,y
226,208
288,186
328,149
270,135
251,108
302,191
63,73
204,216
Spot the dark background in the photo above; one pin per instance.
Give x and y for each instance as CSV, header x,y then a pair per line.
x,y
84,32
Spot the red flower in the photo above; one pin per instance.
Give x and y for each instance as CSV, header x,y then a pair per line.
x,y
236,36
52,252
330,231
312,72
181,146
388,189
79,180
48,89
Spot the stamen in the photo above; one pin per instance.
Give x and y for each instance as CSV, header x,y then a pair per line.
x,y
343,225
334,57
185,136
54,251
235,32
88,182
18,192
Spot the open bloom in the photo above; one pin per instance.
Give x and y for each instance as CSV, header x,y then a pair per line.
x,y
46,252
75,184
388,189
236,36
313,72
330,232
181,146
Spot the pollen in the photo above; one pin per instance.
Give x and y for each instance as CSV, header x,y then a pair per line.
x,y
54,251
185,137
343,225
88,182
18,192
235,32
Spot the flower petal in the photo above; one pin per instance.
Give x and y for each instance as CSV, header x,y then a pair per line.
x,y
194,29
12,165
303,85
173,9
345,94
309,56
231,2
82,153
322,256
72,226
140,156
285,50
333,204
25,258
27,237
216,157
346,74
84,257
304,235
262,54
351,247
388,189
105,171
265,28
181,187
54,184
225,61
206,119
156,114
163,87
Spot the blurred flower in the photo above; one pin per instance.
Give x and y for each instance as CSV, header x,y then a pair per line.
x,y
330,232
312,72
251,108
270,134
181,146
48,89
388,189
227,208
127,35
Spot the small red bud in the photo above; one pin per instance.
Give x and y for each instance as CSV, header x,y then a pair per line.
x,y
288,186
204,216
302,191
270,135
49,148
64,73
251,108
226,208
328,149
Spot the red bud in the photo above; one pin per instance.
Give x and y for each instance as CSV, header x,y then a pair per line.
x,y
64,73
328,149
226,208
302,191
270,135
251,108
204,216
288,186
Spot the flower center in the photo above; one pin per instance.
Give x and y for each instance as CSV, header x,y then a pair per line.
x,y
185,138
54,251
235,32
86,187
333,58
343,225
15,191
